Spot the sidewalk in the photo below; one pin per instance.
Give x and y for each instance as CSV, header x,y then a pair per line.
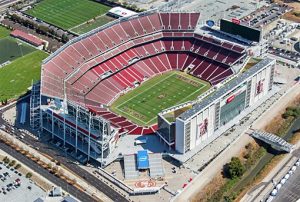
x,y
85,185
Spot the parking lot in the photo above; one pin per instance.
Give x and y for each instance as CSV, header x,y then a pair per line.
x,y
290,189
265,15
16,187
283,37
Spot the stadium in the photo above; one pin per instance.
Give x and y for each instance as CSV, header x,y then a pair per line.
x,y
151,73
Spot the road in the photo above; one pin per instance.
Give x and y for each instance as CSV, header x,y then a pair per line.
x,y
45,173
67,161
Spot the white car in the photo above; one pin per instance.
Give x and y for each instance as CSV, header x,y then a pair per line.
x,y
274,192
287,176
282,181
278,186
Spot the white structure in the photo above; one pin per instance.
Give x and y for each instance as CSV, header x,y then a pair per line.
x,y
120,12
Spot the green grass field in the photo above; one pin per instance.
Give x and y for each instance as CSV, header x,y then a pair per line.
x,y
67,13
17,76
142,104
84,28
4,32
11,49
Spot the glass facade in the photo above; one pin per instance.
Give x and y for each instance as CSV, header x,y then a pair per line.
x,y
231,109
166,130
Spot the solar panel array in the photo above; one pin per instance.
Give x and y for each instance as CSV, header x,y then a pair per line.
x,y
131,171
156,166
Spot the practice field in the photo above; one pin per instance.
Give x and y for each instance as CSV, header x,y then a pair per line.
x,y
11,49
142,104
92,24
67,13
17,76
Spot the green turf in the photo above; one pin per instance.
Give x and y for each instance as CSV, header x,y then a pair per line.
x,y
67,13
4,32
81,29
17,76
144,103
11,49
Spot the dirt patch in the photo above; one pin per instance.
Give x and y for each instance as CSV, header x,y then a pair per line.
x,y
295,4
276,123
295,139
292,16
212,187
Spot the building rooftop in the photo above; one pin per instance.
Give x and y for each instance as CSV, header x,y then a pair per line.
x,y
27,37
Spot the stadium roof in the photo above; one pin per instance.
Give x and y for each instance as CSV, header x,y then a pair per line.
x,y
223,90
143,159
27,37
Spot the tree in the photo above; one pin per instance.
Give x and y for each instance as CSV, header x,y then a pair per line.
x,y
6,160
73,181
55,169
60,172
18,166
291,111
49,166
64,38
29,175
12,163
235,168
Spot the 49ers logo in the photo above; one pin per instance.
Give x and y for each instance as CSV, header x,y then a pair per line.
x,y
202,128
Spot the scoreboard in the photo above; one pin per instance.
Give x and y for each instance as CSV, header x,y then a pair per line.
x,y
235,28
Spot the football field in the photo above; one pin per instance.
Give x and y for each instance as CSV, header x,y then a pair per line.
x,y
142,104
67,13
